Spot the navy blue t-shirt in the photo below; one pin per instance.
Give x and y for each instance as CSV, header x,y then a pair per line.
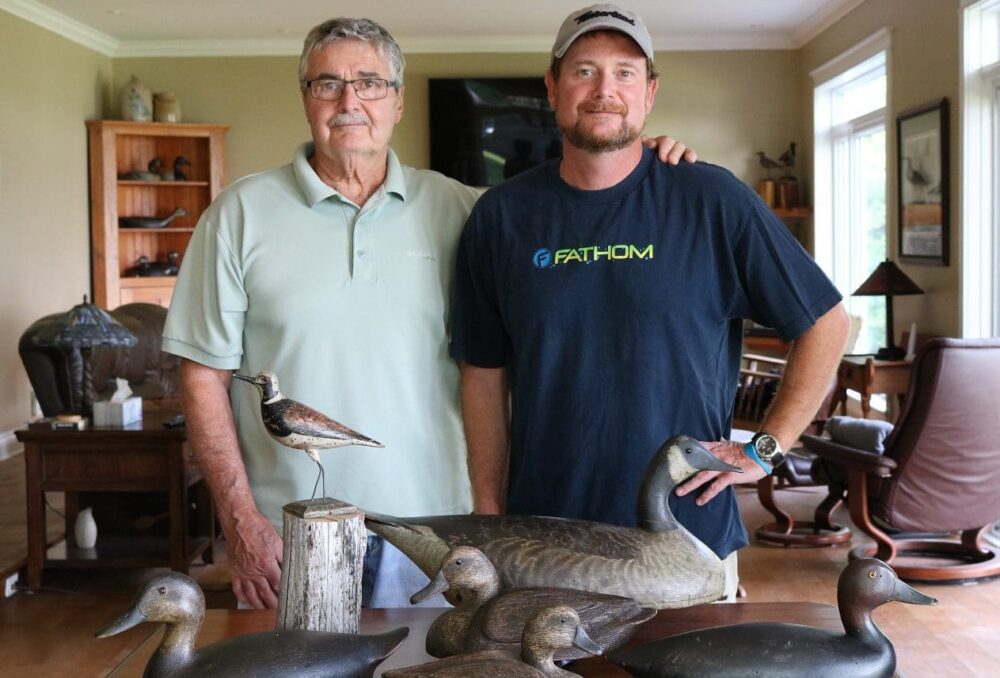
x,y
618,315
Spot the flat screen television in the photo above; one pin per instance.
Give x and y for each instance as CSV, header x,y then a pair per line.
x,y
484,130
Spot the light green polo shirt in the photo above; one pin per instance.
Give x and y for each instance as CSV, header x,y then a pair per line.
x,y
348,306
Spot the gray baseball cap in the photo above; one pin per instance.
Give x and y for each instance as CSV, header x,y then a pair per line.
x,y
602,18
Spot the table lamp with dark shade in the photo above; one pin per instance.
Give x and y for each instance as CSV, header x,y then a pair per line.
x,y
888,281
86,327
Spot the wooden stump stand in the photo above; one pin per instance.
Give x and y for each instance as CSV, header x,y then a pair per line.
x,y
323,557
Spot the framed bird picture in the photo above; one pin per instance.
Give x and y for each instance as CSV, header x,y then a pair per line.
x,y
922,177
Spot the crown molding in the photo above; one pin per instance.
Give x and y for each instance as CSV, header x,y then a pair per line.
x,y
826,16
209,48
60,24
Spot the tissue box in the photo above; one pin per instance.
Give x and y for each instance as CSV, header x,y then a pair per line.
x,y
107,413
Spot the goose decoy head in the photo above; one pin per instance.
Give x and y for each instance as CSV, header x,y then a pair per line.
x,y
555,628
683,456
155,166
867,583
266,383
467,576
171,598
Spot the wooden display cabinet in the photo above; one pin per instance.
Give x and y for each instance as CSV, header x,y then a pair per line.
x,y
118,147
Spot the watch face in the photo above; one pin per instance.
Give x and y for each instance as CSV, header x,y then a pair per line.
x,y
766,446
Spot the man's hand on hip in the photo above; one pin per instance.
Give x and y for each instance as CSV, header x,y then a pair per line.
x,y
716,481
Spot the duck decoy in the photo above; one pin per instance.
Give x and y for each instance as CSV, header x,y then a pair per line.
x,y
299,426
178,173
177,601
549,630
485,619
658,564
151,222
782,650
155,168
146,268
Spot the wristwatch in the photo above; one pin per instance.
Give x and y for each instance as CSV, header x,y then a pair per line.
x,y
764,449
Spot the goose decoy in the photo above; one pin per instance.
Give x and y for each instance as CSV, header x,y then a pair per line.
x,y
658,564
155,168
178,174
779,650
177,601
151,222
299,426
485,619
549,630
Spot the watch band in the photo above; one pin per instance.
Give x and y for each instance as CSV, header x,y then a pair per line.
x,y
751,451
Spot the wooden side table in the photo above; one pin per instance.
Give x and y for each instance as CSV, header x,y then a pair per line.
x,y
142,457
866,375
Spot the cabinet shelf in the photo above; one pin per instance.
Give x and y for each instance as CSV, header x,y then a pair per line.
x,y
118,147
130,183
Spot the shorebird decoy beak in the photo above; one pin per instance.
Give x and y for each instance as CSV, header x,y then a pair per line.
x,y
904,593
243,377
131,618
436,586
585,642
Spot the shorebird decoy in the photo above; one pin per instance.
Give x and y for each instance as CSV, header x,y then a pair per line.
x,y
176,600
658,564
767,163
788,157
299,426
785,650
486,619
551,629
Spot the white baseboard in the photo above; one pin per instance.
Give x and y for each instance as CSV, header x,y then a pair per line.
x,y
9,445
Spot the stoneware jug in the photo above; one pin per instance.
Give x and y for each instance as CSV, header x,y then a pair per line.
x,y
136,101
166,108
85,529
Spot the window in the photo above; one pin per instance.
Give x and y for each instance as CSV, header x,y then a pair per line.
x,y
980,164
850,148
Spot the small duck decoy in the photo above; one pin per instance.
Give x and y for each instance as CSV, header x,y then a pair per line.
x,y
550,630
151,222
155,168
146,268
485,619
299,426
178,173
782,650
658,564
177,601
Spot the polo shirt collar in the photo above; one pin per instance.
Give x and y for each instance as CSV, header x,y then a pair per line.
x,y
315,190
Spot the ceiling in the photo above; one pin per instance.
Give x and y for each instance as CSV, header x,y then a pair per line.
x,y
266,27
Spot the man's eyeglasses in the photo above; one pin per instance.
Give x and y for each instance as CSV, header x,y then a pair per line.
x,y
331,89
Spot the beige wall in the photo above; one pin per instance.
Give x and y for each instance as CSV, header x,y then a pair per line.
x,y
924,66
48,87
704,99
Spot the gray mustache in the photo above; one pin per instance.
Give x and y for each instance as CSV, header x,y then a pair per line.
x,y
349,119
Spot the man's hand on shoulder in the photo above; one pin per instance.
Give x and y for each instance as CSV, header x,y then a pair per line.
x,y
670,150
716,481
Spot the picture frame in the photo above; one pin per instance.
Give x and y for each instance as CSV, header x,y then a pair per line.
x,y
923,184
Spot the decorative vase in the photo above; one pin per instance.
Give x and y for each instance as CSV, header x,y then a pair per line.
x,y
85,529
136,101
766,189
166,108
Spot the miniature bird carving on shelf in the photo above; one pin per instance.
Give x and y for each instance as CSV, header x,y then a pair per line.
x,y
155,167
767,163
178,173
299,426
788,157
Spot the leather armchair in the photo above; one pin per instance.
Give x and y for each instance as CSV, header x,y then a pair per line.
x,y
940,470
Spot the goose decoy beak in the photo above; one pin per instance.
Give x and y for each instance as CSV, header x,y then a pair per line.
x,y
904,593
436,586
700,458
131,618
585,642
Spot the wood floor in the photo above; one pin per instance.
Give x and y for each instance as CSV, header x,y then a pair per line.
x,y
51,632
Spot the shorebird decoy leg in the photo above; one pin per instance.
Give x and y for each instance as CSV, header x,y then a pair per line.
x,y
321,476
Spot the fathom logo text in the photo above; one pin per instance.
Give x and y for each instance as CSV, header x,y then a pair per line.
x,y
546,258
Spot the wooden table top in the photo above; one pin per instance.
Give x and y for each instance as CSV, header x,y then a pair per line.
x,y
220,624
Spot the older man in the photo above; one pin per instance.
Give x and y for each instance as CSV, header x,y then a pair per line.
x,y
604,293
334,272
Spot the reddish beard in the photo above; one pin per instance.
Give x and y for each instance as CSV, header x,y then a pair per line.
x,y
591,142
